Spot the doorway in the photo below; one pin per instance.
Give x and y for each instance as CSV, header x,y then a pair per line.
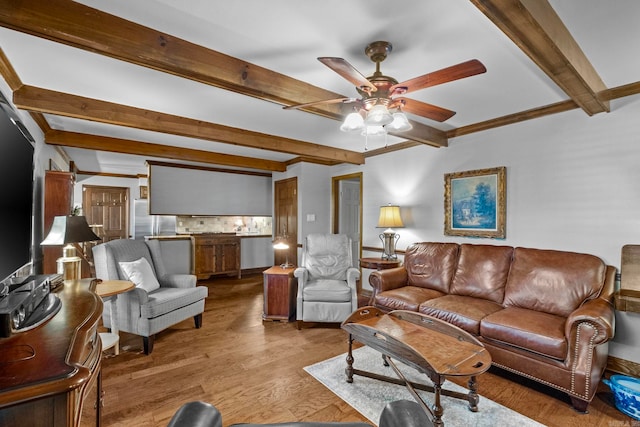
x,y
109,207
286,219
347,211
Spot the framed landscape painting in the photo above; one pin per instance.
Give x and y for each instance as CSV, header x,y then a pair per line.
x,y
474,203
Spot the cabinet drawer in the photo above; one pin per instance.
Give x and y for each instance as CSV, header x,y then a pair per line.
x,y
90,346
208,241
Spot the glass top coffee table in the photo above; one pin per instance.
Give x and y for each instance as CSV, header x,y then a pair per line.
x,y
429,345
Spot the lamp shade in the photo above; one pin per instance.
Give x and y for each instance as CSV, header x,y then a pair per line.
x,y
281,245
400,123
352,123
390,217
69,229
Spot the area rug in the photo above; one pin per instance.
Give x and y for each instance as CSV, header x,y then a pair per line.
x,y
369,396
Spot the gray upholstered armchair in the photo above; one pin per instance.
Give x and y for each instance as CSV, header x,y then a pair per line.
x,y
168,298
326,280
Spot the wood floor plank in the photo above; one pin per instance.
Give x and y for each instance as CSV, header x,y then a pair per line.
x,y
253,372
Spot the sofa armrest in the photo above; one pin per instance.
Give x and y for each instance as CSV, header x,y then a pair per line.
x,y
177,281
599,314
384,280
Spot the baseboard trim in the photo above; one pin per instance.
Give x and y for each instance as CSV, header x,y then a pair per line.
x,y
622,366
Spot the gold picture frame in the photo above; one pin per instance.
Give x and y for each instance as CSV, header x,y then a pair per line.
x,y
475,203
144,192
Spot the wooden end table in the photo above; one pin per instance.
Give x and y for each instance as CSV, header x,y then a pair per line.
x,y
280,289
379,263
409,337
108,290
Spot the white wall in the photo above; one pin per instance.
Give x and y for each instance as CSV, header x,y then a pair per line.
x,y
572,184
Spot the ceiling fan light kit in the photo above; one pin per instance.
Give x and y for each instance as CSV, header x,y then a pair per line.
x,y
379,115
400,123
374,131
353,123
380,96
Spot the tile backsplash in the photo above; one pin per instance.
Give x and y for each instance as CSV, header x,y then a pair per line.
x,y
261,225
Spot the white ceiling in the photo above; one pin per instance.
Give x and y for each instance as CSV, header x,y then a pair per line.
x,y
287,36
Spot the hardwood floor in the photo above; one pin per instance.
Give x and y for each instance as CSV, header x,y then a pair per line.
x,y
252,372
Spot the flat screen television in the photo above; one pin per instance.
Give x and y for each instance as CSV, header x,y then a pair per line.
x,y
16,193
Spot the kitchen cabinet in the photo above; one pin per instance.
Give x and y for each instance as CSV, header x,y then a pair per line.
x,y
215,254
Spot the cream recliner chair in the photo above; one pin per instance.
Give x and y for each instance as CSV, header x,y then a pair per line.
x,y
326,280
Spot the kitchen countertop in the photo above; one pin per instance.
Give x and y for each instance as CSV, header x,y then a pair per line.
x,y
188,236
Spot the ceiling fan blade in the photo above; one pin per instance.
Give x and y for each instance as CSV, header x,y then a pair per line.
x,y
348,72
326,101
445,75
423,109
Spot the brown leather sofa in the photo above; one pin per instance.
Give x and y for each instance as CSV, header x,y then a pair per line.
x,y
544,314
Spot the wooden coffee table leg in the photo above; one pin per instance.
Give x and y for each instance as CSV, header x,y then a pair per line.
x,y
349,368
437,406
473,394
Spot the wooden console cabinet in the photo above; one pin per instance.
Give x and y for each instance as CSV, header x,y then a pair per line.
x,y
280,289
51,376
216,253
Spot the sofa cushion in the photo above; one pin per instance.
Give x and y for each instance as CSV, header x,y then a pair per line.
x,y
463,311
482,271
166,300
431,265
531,330
405,298
551,281
141,274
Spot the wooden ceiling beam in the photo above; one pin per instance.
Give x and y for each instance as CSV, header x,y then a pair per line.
x,y
125,146
83,27
509,119
51,102
537,30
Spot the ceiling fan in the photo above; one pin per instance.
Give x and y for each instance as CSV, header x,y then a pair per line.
x,y
380,90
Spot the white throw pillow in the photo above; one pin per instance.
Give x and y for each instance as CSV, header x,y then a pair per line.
x,y
141,274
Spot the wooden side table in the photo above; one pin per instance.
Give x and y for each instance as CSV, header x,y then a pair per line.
x,y
108,291
280,289
376,264
379,263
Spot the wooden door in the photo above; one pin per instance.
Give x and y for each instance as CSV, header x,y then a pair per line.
x,y
109,207
286,219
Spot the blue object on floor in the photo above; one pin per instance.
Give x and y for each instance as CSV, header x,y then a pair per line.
x,y
626,393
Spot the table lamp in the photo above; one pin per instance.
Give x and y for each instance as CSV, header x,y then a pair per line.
x,y
389,217
69,230
280,244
